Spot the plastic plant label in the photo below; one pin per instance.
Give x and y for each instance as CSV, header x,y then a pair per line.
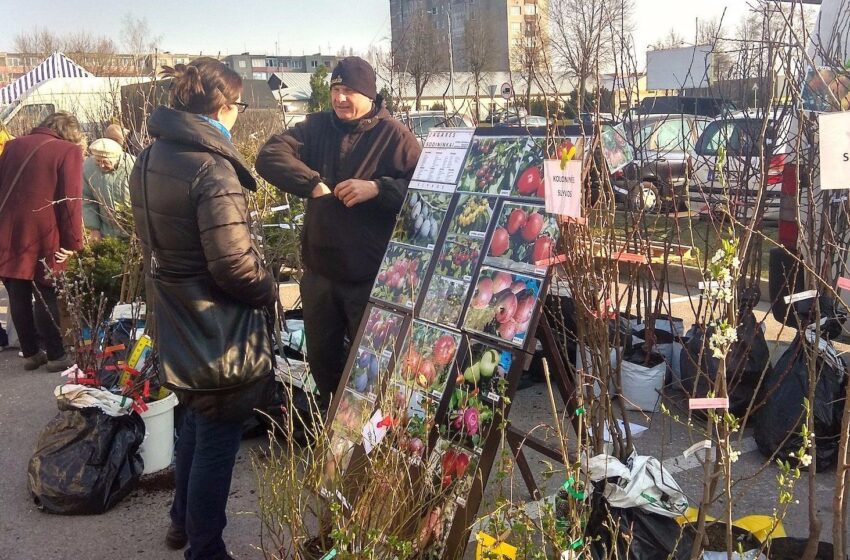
x,y
843,283
563,187
549,262
801,296
705,404
373,433
704,444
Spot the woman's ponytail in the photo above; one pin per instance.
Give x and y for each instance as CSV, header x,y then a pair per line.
x,y
203,86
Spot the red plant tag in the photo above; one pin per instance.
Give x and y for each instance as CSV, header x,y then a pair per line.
x,y
629,257
549,262
113,349
843,283
146,392
387,422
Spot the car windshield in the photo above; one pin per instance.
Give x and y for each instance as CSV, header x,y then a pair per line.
x,y
739,137
668,135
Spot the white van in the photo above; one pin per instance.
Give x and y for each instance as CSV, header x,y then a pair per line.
x,y
814,225
93,101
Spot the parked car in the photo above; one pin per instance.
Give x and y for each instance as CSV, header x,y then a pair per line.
x,y
529,121
421,122
683,105
662,146
754,147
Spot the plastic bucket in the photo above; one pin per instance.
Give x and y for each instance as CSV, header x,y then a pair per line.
x,y
158,447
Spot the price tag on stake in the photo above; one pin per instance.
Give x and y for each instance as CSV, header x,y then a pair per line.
x,y
705,404
801,296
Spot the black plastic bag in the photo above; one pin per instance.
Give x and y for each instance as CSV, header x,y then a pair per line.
x,y
748,360
634,534
778,421
86,461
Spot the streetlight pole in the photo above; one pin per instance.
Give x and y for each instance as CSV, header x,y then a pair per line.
x,y
451,59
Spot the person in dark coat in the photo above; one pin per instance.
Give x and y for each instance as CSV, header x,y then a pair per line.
x,y
207,289
353,165
41,186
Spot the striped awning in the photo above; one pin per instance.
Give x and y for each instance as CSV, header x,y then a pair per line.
x,y
57,65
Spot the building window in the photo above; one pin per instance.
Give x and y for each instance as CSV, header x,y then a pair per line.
x,y
516,28
314,64
242,64
258,62
516,11
530,9
328,63
271,62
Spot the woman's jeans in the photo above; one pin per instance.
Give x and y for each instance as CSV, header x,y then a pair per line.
x,y
206,453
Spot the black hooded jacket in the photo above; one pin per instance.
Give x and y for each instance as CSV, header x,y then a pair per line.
x,y
340,243
210,276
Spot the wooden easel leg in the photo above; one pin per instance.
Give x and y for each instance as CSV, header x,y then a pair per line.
x,y
515,438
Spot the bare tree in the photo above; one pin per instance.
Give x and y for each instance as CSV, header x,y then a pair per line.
x,y
95,53
138,40
420,52
672,40
585,34
478,56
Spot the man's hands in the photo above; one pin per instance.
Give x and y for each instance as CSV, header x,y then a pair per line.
x,y
320,190
355,191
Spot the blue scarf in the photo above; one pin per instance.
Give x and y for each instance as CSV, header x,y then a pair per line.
x,y
221,128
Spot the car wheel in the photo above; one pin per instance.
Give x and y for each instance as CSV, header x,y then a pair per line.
x,y
644,196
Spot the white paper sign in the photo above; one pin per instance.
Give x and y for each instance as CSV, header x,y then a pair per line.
x,y
563,188
372,434
835,150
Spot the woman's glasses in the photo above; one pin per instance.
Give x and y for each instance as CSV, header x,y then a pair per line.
x,y
241,107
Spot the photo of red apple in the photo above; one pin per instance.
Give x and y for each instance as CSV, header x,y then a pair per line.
x,y
499,242
483,294
507,315
515,221
428,357
444,350
529,181
542,249
532,227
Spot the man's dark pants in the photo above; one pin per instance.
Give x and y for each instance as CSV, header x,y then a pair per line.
x,y
34,322
332,312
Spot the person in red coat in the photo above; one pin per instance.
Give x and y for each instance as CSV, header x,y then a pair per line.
x,y
41,225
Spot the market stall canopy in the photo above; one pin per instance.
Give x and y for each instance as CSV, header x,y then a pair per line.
x,y
57,65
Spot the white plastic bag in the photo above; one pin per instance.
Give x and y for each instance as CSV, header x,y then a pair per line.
x,y
641,386
643,483
84,396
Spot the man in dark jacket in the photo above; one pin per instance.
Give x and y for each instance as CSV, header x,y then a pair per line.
x,y
352,164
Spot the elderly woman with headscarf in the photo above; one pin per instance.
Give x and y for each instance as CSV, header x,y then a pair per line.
x,y
106,189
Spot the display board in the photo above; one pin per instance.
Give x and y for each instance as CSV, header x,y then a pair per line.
x,y
453,310
678,68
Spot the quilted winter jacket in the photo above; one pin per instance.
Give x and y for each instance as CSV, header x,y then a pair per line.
x,y
198,221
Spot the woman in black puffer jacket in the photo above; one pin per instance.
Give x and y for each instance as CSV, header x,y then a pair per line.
x,y
207,290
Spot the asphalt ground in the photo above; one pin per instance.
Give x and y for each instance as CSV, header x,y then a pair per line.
x,y
135,528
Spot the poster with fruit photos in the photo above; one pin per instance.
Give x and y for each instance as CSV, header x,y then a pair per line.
x,y
455,301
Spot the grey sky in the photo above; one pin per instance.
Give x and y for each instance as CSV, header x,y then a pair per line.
x,y
298,26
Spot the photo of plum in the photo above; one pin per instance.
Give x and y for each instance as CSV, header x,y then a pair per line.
x,y
468,420
420,218
382,329
486,370
524,235
366,373
351,415
444,300
400,275
472,215
458,257
503,305
490,164
428,358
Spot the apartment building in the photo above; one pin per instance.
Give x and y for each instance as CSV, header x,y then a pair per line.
x,y
512,29
262,66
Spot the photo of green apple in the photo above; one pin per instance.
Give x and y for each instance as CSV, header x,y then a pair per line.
x,y
485,369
